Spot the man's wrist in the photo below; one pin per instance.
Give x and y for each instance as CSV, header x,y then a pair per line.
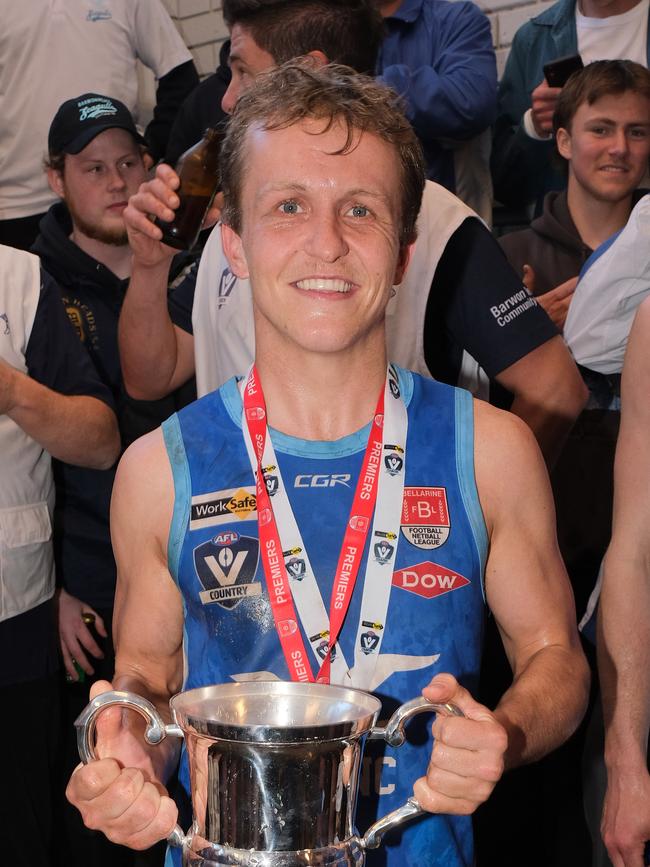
x,y
529,128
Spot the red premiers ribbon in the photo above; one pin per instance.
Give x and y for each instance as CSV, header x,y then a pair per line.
x,y
356,533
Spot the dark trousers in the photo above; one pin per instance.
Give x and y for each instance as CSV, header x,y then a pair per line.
x,y
20,233
29,734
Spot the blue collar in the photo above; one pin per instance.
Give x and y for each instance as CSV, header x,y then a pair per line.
x,y
409,11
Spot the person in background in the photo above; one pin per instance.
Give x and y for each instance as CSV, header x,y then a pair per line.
x,y
439,57
52,404
200,109
522,151
95,163
602,129
623,633
52,51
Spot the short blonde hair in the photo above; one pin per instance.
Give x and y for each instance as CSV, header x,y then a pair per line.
x,y
298,90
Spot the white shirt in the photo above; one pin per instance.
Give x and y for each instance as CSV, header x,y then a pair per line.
x,y
53,50
615,37
623,37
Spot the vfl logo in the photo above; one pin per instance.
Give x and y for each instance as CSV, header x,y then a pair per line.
x,y
393,462
322,648
429,579
226,567
383,552
296,568
393,382
226,285
220,507
368,642
272,484
5,319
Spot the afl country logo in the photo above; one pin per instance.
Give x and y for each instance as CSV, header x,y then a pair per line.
x,y
368,641
296,568
383,552
226,567
425,517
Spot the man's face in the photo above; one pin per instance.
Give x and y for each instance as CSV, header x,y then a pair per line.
x,y
319,237
97,183
608,146
247,60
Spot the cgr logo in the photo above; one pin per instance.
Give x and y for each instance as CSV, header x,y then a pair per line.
x,y
429,579
322,480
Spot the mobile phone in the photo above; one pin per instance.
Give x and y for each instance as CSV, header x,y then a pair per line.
x,y
557,72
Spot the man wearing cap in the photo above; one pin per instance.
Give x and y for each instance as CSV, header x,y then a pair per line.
x,y
95,162
52,50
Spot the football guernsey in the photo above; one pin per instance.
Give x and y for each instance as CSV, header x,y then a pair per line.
x,y
434,619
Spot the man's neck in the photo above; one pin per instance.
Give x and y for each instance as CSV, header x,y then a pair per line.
x,y
316,396
389,7
605,8
116,258
595,220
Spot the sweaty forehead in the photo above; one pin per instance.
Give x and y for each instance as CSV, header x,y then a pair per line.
x,y
308,155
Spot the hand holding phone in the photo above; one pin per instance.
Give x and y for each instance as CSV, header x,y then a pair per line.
x,y
557,72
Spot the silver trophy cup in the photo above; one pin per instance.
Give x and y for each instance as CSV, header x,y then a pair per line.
x,y
274,769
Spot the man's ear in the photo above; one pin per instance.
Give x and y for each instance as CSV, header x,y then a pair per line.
x,y
55,180
563,142
319,58
405,253
234,250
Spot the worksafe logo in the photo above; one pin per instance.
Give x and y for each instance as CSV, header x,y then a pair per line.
x,y
429,579
226,567
220,507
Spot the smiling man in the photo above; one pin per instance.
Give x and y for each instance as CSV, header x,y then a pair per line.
x,y
322,180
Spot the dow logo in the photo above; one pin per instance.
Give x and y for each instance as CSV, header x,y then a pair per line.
x,y
429,579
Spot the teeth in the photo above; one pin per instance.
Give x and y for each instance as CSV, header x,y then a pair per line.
x,y
321,284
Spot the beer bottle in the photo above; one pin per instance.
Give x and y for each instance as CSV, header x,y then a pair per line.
x,y
198,170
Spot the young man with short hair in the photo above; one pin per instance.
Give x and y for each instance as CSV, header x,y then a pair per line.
x,y
602,129
322,180
522,152
446,320
95,163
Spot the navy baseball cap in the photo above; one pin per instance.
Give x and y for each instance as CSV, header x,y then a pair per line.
x,y
78,121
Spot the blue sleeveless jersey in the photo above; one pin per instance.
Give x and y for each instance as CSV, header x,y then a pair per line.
x,y
435,616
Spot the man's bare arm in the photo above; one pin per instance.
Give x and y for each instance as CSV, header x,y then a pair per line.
x,y
549,394
77,429
122,794
528,591
624,625
156,356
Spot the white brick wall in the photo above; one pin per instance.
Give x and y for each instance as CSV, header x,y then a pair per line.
x,y
203,30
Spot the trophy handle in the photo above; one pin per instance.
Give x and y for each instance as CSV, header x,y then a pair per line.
x,y
155,732
393,734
